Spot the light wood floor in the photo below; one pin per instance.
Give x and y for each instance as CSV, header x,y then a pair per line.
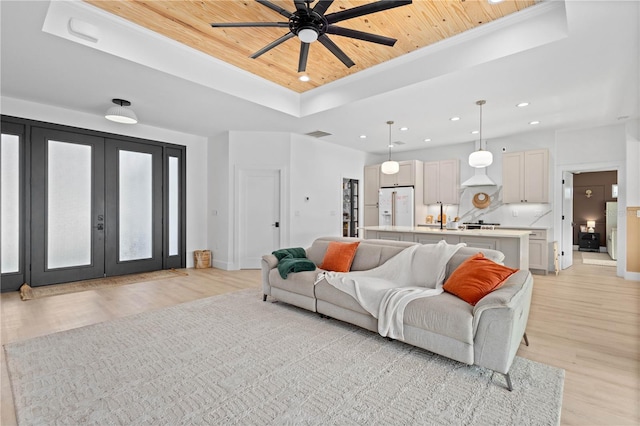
x,y
586,321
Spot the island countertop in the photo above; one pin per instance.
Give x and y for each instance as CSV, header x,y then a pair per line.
x,y
513,243
508,233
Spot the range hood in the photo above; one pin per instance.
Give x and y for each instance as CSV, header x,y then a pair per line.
x,y
480,178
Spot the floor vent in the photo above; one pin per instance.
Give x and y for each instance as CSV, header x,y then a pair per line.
x,y
318,134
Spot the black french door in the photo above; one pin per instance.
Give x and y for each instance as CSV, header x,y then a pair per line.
x,y
97,207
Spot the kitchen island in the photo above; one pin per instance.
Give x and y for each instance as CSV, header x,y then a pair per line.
x,y
513,243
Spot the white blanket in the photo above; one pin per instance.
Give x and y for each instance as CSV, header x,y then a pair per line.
x,y
385,291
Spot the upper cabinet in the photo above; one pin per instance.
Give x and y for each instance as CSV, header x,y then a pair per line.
x,y
405,177
442,182
525,177
371,184
371,189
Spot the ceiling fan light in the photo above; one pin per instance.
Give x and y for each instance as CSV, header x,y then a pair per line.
x,y
308,35
390,167
120,114
481,158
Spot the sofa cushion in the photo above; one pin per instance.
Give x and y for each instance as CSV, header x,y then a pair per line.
x,y
330,294
296,282
339,256
370,253
476,277
444,314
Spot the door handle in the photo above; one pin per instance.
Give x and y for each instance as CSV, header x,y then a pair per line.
x,y
277,224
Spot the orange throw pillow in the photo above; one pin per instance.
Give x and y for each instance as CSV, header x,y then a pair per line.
x,y
476,277
339,256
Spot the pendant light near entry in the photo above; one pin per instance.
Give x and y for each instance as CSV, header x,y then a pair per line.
x,y
480,158
120,114
390,167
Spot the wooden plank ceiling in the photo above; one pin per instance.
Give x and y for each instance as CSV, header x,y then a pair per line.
x,y
414,26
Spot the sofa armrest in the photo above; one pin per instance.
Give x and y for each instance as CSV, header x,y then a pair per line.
x,y
268,262
499,322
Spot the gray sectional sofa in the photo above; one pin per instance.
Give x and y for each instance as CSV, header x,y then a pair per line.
x,y
487,334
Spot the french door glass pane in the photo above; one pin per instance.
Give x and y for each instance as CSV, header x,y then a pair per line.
x,y
69,172
135,186
173,205
10,202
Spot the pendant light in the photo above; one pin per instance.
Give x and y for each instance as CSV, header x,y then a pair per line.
x,y
121,114
480,158
390,167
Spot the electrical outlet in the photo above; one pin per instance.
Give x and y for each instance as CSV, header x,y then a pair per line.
x,y
514,213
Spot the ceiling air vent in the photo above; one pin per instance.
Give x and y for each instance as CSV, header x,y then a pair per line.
x,y
318,134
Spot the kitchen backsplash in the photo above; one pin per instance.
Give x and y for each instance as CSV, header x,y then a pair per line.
x,y
517,215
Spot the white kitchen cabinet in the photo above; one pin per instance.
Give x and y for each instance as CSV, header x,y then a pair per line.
x,y
371,187
538,250
482,243
525,176
406,176
442,182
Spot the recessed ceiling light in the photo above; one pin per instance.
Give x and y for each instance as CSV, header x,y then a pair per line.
x,y
390,145
495,1
427,140
534,122
304,78
404,129
522,104
454,118
475,132
363,136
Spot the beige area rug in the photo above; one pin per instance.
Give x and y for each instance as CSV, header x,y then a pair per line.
x,y
27,292
593,258
233,359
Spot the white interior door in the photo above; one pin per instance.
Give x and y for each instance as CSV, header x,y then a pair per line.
x,y
259,232
567,222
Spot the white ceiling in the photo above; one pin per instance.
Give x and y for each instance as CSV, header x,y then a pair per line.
x,y
576,62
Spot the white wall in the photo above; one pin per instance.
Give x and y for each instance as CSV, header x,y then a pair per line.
x,y
595,149
317,170
310,168
633,163
196,155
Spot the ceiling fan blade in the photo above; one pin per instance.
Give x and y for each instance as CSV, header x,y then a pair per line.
x,y
304,53
321,7
333,48
276,8
272,45
366,9
301,5
250,24
360,35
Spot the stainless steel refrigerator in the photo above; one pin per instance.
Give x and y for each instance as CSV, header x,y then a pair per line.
x,y
396,206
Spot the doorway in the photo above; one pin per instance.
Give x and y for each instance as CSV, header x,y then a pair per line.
x,y
88,205
574,222
350,207
259,208
97,207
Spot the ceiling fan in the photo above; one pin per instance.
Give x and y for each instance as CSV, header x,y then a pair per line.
x,y
311,24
